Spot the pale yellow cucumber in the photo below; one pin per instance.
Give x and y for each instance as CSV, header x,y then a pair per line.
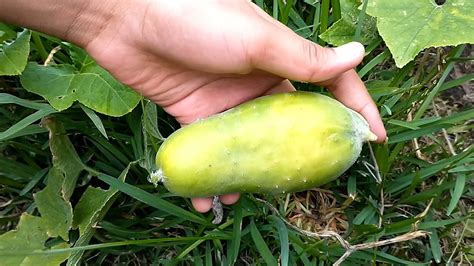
x,y
274,144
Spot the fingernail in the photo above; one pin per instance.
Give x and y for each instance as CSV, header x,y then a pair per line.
x,y
350,50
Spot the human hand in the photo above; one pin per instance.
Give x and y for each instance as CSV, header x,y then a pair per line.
x,y
198,58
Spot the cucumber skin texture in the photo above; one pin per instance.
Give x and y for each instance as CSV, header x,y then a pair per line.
x,y
281,143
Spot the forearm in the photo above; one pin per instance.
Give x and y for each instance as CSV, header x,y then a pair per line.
x,y
77,21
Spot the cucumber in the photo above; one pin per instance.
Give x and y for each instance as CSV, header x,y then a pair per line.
x,y
281,143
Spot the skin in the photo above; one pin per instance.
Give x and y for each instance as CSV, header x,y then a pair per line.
x,y
198,58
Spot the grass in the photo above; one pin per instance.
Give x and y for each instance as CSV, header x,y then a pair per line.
x,y
419,213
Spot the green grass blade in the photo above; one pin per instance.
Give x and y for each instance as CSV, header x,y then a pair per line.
x,y
154,241
413,134
316,23
95,119
208,255
424,106
360,22
303,29
150,199
261,245
22,124
400,183
275,9
352,186
6,98
34,180
28,130
403,124
324,18
456,82
456,118
363,215
375,61
437,224
462,168
336,10
234,246
301,253
435,246
283,237
458,191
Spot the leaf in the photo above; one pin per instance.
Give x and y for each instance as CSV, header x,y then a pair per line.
x,y
29,236
86,215
52,259
365,215
408,27
91,85
283,237
65,157
96,120
13,56
6,33
55,211
344,30
435,246
16,129
458,190
234,245
90,209
24,123
151,199
397,185
261,245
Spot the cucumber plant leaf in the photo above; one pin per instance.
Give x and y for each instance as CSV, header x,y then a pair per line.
x,y
65,158
408,26
6,32
17,246
86,82
344,30
14,55
55,211
90,209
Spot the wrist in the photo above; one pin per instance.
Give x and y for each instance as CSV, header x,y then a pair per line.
x,y
88,20
77,21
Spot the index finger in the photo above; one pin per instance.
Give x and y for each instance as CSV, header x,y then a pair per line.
x,y
349,89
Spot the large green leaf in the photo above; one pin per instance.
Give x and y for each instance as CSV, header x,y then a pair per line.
x,y
13,56
6,33
55,211
90,209
408,26
85,82
344,30
65,158
16,246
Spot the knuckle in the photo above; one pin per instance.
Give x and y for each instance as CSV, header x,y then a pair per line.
x,y
314,62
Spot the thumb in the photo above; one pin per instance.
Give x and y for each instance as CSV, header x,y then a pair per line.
x,y
290,56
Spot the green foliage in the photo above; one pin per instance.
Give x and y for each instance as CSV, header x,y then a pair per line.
x,y
344,30
56,211
20,244
13,56
408,27
74,171
91,85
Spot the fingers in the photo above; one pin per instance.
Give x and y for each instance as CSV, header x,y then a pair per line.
x,y
202,204
288,55
350,90
284,86
205,204
229,199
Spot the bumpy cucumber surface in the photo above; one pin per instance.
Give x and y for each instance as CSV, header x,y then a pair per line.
x,y
274,144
